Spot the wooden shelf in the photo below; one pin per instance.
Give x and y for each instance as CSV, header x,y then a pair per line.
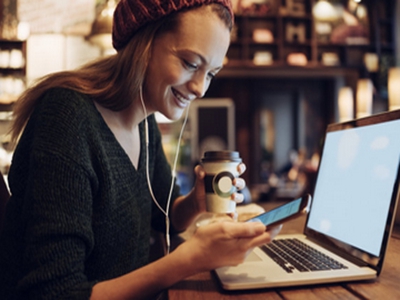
x,y
12,71
293,32
247,69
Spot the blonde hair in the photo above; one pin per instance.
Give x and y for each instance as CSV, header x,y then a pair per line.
x,y
113,81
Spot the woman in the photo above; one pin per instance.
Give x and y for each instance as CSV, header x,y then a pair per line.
x,y
78,222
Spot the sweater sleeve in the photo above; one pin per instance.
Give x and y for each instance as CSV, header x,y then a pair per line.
x,y
59,238
56,207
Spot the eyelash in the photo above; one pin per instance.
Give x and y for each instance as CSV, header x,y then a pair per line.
x,y
195,67
190,65
211,76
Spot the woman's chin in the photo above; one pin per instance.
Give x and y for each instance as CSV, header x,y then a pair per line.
x,y
175,115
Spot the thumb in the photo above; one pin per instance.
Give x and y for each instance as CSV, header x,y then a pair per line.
x,y
200,174
199,171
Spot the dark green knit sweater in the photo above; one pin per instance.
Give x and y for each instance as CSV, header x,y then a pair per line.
x,y
79,212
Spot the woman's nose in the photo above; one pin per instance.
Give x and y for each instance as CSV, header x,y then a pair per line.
x,y
198,85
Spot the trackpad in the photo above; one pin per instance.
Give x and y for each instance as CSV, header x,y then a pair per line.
x,y
252,257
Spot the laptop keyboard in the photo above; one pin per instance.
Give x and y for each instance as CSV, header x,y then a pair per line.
x,y
292,254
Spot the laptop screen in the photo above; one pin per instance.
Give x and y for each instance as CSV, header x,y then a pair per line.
x,y
357,180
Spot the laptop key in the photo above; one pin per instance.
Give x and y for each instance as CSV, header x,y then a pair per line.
x,y
293,254
281,262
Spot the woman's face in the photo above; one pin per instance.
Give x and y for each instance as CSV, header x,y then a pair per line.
x,y
184,61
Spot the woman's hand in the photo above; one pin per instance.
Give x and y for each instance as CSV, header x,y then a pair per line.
x,y
186,208
211,247
199,188
225,244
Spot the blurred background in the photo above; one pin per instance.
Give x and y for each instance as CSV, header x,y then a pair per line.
x,y
293,67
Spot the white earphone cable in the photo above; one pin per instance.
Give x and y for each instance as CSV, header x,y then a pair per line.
x,y
166,210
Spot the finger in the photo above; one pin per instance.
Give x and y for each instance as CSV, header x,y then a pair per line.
x,y
274,231
259,240
264,238
241,168
244,230
237,197
199,171
269,235
239,183
234,215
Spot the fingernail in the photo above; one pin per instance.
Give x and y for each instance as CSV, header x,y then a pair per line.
x,y
238,197
240,184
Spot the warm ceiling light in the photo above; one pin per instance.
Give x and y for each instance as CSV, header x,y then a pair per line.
x,y
346,104
324,11
393,88
365,93
100,34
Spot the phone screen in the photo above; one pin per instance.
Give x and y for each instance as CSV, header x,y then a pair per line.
x,y
278,213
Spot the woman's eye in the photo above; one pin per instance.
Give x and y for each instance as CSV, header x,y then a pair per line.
x,y
190,65
195,67
211,76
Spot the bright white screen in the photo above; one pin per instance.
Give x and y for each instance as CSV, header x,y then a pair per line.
x,y
355,184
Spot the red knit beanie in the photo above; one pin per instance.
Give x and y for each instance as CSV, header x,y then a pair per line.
x,y
130,15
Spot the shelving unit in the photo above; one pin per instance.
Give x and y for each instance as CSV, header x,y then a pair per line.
x,y
12,71
244,47
310,90
12,84
290,31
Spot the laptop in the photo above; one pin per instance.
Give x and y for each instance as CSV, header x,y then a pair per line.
x,y
351,215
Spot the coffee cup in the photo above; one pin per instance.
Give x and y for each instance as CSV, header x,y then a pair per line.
x,y
221,169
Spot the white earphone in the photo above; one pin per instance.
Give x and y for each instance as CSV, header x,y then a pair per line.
x,y
166,210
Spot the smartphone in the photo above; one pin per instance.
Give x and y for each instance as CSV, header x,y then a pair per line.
x,y
285,212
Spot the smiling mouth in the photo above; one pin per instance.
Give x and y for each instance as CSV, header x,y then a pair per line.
x,y
181,99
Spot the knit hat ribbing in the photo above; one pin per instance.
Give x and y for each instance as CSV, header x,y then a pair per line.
x,y
130,15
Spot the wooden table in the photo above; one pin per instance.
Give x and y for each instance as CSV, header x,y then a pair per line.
x,y
387,286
